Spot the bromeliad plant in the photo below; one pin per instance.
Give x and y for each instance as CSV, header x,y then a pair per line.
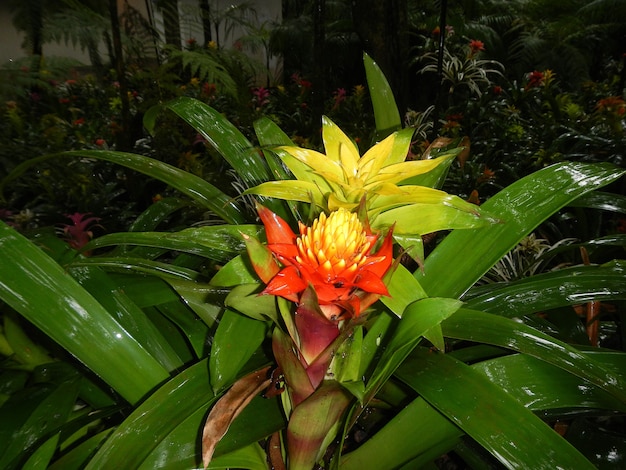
x,y
303,340
332,272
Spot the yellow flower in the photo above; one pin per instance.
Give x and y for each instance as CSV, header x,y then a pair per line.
x,y
381,177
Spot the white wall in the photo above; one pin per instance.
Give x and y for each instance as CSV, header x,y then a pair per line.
x,y
190,27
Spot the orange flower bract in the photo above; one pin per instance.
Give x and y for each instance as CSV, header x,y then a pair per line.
x,y
335,255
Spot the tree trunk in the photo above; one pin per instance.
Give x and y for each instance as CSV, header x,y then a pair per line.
x,y
123,137
319,77
171,22
382,28
206,20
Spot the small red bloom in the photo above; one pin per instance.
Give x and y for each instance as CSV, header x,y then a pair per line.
x,y
476,46
535,79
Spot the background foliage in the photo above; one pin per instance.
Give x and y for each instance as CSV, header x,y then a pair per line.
x,y
115,348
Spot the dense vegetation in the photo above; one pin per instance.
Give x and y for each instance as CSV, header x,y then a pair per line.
x,y
132,253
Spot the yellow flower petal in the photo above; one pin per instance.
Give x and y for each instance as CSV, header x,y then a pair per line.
x,y
375,158
339,148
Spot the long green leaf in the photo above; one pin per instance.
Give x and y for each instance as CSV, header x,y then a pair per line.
x,y
40,290
191,185
465,255
386,112
236,339
414,431
472,325
488,414
542,386
418,319
550,290
220,133
30,423
216,242
163,431
128,314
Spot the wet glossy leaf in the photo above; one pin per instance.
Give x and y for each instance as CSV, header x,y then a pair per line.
x,y
220,243
428,218
465,255
386,112
41,290
545,291
486,413
487,328
128,314
237,271
25,423
206,301
236,339
221,134
541,386
247,299
128,264
418,319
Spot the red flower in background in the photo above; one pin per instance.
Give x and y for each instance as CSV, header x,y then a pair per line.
x,y
476,46
535,79
79,233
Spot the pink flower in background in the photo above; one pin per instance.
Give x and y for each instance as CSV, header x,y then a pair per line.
x,y
79,233
261,96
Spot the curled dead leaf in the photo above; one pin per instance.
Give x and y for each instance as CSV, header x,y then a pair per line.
x,y
228,408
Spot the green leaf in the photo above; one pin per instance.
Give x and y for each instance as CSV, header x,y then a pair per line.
x,y
163,431
43,454
126,264
76,458
465,255
403,290
237,271
205,300
27,424
236,339
603,201
414,431
41,291
217,242
128,314
428,218
150,423
546,291
386,111
487,328
270,135
191,185
251,457
221,134
246,298
487,413
418,319
541,386
196,331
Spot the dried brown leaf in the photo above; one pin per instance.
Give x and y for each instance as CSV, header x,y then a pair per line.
x,y
228,408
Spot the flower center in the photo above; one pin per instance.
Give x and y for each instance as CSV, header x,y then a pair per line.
x,y
335,246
